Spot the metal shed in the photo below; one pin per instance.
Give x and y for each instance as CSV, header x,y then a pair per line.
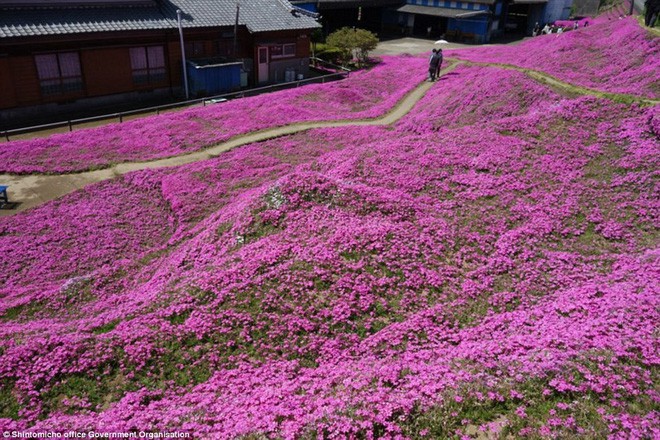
x,y
213,76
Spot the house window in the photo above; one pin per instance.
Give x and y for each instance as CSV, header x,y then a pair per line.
x,y
289,50
148,64
283,50
59,73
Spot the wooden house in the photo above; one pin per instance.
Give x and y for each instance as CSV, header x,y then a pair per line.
x,y
70,55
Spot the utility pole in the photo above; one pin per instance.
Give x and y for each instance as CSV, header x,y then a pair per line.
x,y
238,9
183,54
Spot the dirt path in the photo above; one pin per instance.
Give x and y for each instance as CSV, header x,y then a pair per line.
x,y
571,89
32,190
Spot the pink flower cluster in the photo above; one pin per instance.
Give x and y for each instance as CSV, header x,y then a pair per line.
x,y
487,265
365,94
473,95
613,56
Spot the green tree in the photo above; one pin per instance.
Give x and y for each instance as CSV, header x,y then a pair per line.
x,y
352,43
365,42
343,41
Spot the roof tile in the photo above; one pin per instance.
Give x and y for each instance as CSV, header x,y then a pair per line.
x,y
256,15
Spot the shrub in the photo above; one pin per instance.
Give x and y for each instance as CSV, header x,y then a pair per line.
x,y
352,43
365,42
330,54
343,41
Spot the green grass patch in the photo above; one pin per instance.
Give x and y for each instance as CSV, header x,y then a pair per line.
x,y
9,406
98,393
223,228
603,167
14,312
106,328
179,318
568,414
26,311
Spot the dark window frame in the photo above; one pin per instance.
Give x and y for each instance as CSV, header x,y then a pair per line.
x,y
279,51
62,84
149,75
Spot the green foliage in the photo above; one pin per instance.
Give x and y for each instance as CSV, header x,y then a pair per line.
x,y
224,227
8,404
365,42
179,318
342,40
86,391
352,43
181,364
14,312
77,386
534,405
329,54
105,328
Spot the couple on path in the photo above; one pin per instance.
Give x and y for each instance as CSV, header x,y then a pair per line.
x,y
435,63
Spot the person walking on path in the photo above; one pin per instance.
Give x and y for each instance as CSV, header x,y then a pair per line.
x,y
434,61
652,11
439,66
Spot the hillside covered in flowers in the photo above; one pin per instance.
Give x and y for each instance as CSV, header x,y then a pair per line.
x,y
486,267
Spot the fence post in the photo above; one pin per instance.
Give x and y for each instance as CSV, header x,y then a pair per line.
x,y
70,125
121,118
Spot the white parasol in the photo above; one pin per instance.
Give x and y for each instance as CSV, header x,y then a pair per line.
x,y
441,42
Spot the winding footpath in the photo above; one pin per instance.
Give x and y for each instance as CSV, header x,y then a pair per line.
x,y
35,189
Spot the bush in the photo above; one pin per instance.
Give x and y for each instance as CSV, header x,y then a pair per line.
x,y
330,54
365,42
352,43
343,41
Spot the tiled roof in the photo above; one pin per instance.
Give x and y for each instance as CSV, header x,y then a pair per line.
x,y
357,2
341,4
23,22
273,15
256,15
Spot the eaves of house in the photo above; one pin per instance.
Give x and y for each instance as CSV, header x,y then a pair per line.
x,y
27,18
341,4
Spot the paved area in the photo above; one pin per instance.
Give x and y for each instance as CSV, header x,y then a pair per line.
x,y
413,46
